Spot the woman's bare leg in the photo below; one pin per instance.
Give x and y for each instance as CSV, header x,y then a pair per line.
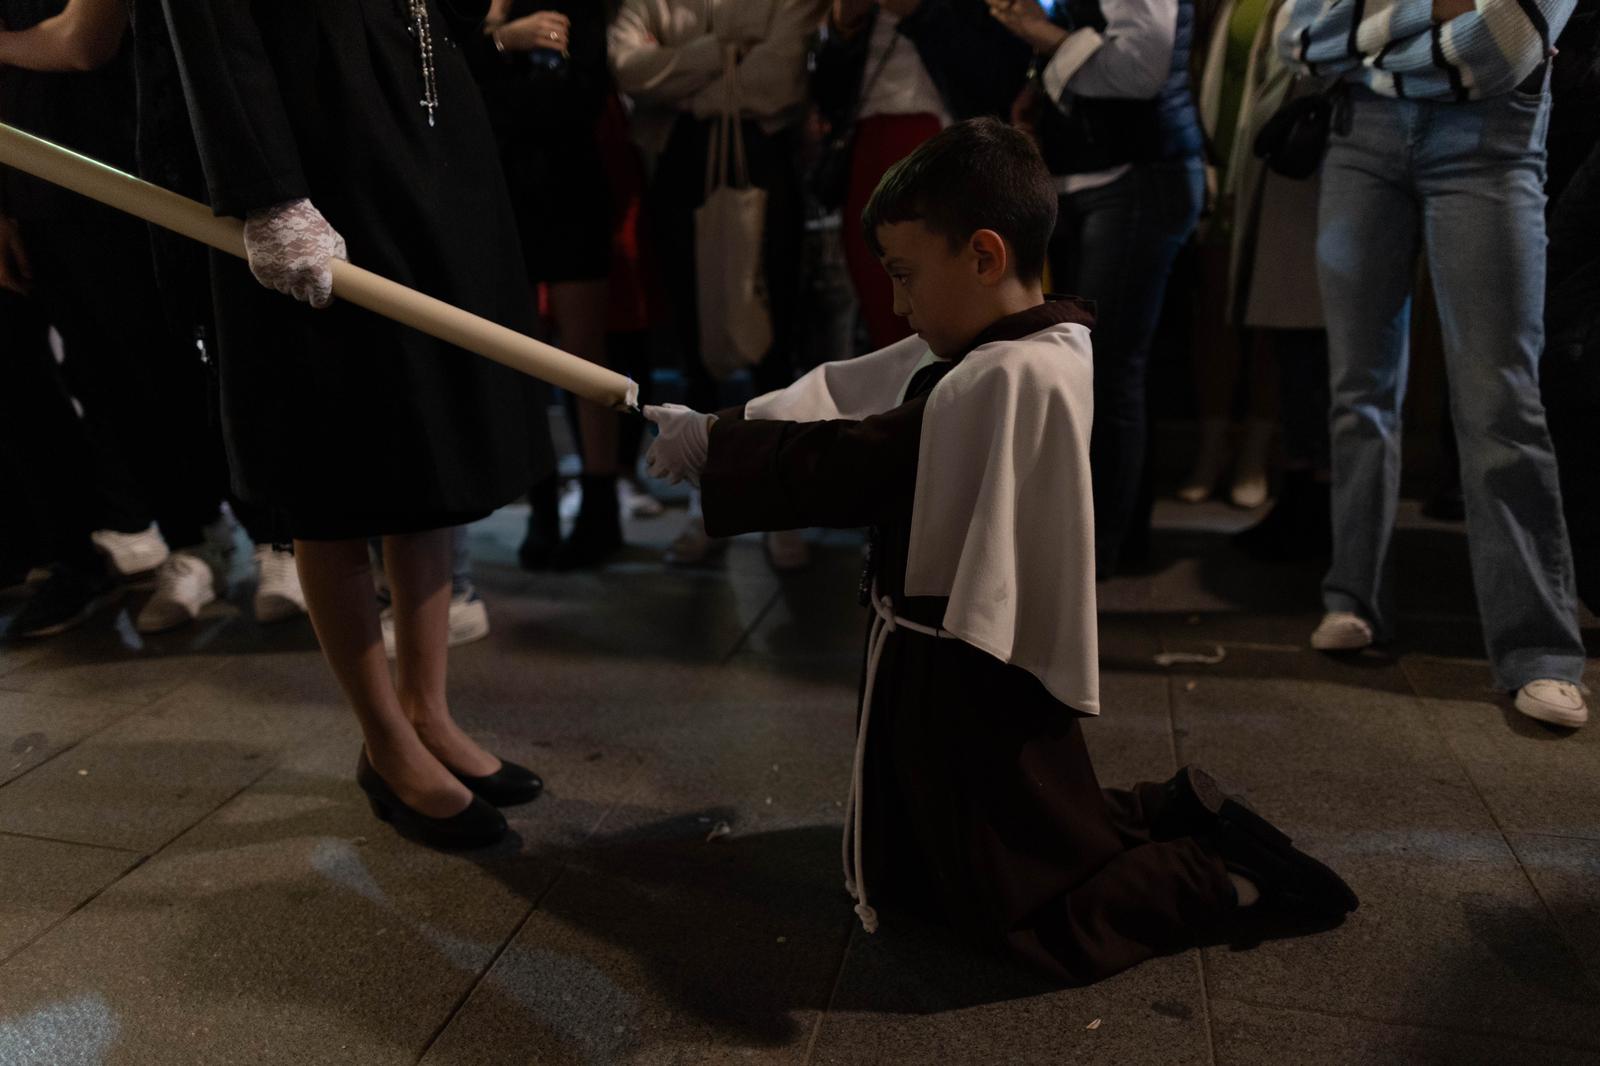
x,y
579,308
418,568
336,576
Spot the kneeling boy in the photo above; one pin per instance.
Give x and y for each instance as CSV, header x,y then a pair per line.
x,y
965,449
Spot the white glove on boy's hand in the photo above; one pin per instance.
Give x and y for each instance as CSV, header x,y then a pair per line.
x,y
679,452
291,248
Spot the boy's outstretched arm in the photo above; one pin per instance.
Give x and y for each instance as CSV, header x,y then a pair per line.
x,y
765,475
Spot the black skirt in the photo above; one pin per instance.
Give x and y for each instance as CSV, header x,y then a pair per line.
x,y
351,424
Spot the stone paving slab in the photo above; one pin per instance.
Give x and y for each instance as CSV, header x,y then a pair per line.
x,y
35,729
108,661
1534,778
1249,1034
1566,874
664,941
43,881
909,994
291,927
1461,941
144,780
283,924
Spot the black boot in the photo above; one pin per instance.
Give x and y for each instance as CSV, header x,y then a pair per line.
x,y
597,534
544,525
69,596
1299,526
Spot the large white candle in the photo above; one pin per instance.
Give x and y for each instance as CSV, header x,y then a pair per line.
x,y
167,209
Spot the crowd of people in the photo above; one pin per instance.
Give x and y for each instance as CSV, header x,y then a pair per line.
x,y
1148,114
662,187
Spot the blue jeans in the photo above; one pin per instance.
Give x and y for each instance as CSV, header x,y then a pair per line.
x,y
1463,184
1115,245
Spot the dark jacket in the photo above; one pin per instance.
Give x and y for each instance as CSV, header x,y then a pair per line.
x,y
1572,309
91,113
977,65
1084,134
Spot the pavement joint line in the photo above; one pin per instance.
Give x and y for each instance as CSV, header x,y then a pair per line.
x,y
1554,1045
1434,727
744,638
132,711
181,833
533,908
1200,956
833,996
1583,962
138,861
70,843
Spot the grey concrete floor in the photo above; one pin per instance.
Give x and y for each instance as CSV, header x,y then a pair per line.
x,y
189,875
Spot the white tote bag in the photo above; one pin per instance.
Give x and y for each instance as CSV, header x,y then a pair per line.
x,y
735,316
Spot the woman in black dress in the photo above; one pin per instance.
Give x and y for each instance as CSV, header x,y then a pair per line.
x,y
542,66
334,124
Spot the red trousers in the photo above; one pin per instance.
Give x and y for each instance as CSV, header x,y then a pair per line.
x,y
881,142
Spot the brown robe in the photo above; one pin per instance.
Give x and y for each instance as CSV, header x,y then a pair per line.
x,y
982,808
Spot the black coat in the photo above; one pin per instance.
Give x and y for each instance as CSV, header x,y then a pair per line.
x,y
351,424
90,112
977,65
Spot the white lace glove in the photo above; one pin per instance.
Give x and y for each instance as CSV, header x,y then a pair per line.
x,y
291,248
683,442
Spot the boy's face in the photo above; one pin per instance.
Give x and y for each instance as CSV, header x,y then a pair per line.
x,y
939,292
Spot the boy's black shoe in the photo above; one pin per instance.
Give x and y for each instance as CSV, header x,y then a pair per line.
x,y
1289,879
1251,846
65,599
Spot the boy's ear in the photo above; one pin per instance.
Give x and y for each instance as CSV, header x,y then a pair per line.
x,y
991,256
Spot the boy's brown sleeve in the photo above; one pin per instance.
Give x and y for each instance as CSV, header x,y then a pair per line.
x,y
767,475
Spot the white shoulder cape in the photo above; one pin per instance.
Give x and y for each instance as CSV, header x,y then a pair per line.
x,y
1003,519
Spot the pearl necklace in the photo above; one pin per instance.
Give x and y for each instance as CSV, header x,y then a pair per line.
x,y
422,30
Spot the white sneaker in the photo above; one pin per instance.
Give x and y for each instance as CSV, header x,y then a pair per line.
x,y
635,503
279,596
1250,472
131,554
184,585
469,621
1342,631
1212,455
1557,702
788,551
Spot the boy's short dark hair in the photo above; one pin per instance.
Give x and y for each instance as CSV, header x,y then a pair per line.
x,y
978,174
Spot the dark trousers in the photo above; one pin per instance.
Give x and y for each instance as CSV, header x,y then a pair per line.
x,y
153,452
1115,245
983,812
677,189
1302,359
55,499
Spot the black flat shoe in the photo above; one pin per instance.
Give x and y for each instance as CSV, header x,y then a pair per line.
x,y
506,787
479,826
1289,879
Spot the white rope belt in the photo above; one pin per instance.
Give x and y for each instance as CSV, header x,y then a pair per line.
x,y
855,879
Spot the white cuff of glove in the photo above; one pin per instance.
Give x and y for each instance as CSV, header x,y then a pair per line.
x,y
684,441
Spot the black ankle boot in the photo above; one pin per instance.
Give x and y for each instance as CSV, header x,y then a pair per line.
x,y
597,534
479,826
544,525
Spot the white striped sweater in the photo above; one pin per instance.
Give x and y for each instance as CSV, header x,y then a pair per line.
x,y
1396,49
